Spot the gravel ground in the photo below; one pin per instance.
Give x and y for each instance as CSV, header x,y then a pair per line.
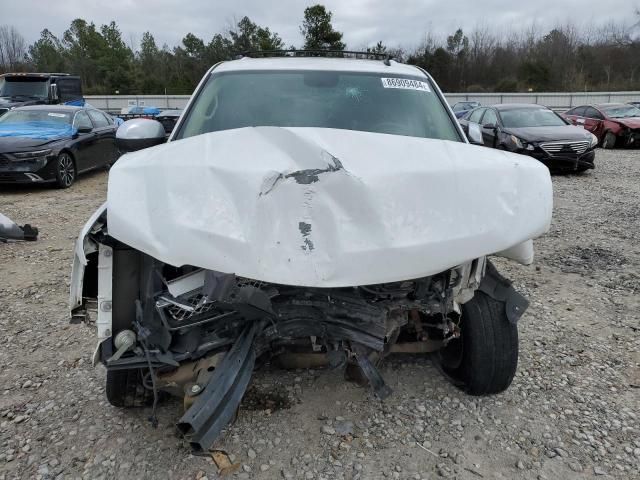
x,y
573,410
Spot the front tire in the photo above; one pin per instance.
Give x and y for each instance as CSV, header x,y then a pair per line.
x,y
484,359
65,170
609,141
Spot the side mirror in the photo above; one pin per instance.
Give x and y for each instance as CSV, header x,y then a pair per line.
x,y
139,133
85,129
490,126
475,134
53,92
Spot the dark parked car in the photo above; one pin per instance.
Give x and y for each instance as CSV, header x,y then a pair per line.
x,y
168,119
613,123
536,131
45,143
460,108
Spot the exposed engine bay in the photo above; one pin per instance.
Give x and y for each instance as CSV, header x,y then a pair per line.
x,y
198,334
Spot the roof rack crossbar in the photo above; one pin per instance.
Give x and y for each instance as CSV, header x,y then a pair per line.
x,y
316,53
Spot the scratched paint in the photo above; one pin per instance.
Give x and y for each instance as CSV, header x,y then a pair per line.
x,y
305,230
391,208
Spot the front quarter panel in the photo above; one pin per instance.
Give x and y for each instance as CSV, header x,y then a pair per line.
x,y
613,127
84,246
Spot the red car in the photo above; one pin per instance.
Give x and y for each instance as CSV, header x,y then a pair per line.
x,y
613,123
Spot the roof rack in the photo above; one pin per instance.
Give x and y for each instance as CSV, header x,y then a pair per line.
x,y
385,57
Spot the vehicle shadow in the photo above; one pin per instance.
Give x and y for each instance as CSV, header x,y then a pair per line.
x,y
11,189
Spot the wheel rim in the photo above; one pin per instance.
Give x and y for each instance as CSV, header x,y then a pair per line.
x,y
66,170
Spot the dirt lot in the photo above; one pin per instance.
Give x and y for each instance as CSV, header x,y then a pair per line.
x,y
573,410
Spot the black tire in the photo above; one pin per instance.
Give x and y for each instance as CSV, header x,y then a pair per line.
x,y
609,141
484,359
66,172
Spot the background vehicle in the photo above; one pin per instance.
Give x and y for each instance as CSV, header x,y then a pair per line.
x,y
536,131
303,220
168,119
140,110
635,104
461,108
613,123
53,144
19,89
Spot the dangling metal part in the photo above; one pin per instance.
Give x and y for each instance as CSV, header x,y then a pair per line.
x,y
215,406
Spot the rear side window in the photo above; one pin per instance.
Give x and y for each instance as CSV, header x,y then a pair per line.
x,y
578,111
476,115
69,89
490,117
591,112
82,121
99,120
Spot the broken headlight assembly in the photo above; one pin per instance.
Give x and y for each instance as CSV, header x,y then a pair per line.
x,y
521,144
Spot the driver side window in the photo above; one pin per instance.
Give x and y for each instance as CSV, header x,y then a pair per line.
x,y
490,117
591,112
476,115
578,112
82,121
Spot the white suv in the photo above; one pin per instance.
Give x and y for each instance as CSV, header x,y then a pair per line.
x,y
321,210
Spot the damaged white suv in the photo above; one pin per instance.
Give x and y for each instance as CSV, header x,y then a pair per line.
x,y
309,210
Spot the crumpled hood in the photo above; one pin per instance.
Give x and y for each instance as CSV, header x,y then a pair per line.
x,y
325,207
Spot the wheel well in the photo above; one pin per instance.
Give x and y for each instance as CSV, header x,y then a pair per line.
x,y
70,153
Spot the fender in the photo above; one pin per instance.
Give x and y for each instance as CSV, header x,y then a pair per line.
x,y
501,289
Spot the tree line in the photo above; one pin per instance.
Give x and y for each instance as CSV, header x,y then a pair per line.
x,y
566,58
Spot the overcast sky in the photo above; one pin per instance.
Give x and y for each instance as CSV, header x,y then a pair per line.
x,y
364,22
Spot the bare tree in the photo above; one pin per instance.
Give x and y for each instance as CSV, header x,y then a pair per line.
x,y
13,48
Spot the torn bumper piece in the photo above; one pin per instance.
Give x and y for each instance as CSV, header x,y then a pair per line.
x,y
343,322
10,230
218,402
216,405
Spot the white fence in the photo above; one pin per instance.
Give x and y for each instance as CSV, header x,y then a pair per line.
x,y
115,103
558,101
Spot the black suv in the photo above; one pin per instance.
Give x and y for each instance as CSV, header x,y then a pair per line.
x,y
20,89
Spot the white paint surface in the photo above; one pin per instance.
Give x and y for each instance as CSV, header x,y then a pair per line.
x,y
399,208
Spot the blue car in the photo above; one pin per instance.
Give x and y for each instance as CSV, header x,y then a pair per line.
x,y
460,108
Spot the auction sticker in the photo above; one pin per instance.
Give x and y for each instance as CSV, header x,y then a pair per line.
x,y
58,115
405,83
